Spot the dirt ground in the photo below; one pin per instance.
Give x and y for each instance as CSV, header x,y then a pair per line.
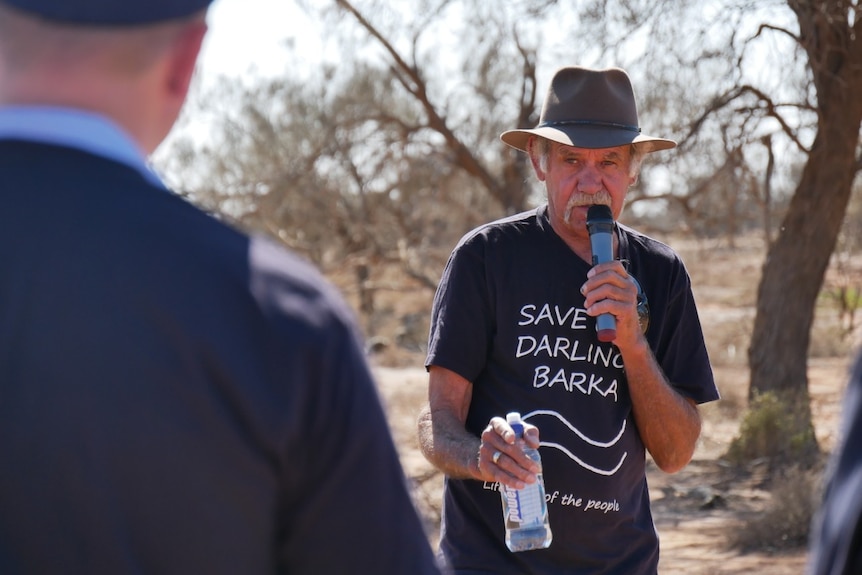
x,y
696,509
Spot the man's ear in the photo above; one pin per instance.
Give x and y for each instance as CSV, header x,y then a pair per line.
x,y
534,159
185,56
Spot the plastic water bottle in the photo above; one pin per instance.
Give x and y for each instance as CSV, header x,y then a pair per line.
x,y
525,511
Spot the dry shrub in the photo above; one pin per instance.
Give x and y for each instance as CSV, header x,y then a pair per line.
x,y
773,428
786,520
829,338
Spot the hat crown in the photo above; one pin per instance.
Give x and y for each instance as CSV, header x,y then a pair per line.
x,y
589,108
584,96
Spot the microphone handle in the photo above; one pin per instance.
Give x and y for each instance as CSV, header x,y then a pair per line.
x,y
603,251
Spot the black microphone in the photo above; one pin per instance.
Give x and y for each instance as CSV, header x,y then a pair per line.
x,y
600,225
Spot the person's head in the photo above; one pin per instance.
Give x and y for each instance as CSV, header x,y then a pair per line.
x,y
131,60
588,146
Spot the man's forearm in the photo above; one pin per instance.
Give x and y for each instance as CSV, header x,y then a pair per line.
x,y
669,424
446,444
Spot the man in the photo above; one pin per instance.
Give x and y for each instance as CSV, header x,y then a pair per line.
x,y
836,535
175,397
513,329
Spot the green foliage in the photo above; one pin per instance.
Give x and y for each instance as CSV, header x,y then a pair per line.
x,y
845,297
773,428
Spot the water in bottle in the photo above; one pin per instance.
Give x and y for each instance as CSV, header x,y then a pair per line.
x,y
525,511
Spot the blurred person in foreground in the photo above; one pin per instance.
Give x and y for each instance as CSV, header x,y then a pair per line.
x,y
175,397
836,535
513,329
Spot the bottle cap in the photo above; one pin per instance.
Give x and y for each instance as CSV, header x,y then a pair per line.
x,y
514,420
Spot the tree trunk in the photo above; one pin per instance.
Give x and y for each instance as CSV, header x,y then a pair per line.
x,y
793,274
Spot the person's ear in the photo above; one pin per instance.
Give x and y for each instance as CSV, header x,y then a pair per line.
x,y
535,159
185,55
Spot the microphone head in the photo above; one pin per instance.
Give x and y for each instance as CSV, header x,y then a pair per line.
x,y
599,213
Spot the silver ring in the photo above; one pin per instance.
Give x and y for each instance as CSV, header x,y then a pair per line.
x,y
496,457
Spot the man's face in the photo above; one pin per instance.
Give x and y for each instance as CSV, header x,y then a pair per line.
x,y
576,178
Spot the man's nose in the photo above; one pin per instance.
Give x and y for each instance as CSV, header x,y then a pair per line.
x,y
589,180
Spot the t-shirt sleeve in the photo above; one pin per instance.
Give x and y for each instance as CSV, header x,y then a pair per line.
x,y
462,324
680,347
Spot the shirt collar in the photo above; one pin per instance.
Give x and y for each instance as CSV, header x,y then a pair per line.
x,y
74,128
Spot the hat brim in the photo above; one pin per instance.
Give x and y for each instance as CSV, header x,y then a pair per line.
x,y
108,13
587,137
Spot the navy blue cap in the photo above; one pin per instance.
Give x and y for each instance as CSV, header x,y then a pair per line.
x,y
109,12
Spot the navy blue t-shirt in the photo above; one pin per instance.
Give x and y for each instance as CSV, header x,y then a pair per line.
x,y
509,316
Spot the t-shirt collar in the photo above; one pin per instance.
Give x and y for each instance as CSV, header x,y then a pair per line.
x,y
77,129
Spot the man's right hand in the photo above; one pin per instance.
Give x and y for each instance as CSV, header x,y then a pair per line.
x,y
501,455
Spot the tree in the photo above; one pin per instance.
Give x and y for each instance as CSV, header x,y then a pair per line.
x,y
506,185
339,170
830,33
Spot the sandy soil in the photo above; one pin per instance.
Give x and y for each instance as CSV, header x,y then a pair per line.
x,y
698,508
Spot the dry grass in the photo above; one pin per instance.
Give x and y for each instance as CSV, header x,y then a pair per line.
x,y
784,523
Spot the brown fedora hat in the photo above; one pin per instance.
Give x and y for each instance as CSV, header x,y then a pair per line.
x,y
589,109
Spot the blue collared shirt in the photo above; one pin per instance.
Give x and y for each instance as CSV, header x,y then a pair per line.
x,y
75,129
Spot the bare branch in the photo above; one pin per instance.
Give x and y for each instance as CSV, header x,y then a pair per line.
x,y
411,79
774,28
769,107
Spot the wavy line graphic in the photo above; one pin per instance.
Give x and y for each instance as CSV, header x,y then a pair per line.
x,y
584,464
576,431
